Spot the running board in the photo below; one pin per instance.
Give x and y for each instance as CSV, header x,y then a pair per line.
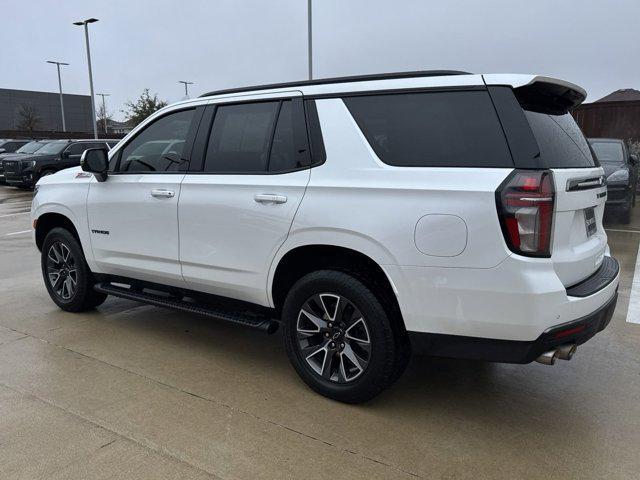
x,y
244,319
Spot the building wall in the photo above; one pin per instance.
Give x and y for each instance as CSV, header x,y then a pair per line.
x,y
77,109
609,119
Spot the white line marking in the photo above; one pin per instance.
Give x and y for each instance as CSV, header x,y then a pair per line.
x,y
633,312
620,230
14,214
17,233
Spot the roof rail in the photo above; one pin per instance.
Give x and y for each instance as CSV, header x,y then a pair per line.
x,y
355,78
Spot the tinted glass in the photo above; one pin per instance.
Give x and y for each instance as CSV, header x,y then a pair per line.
x,y
315,133
159,147
433,129
11,146
240,138
284,153
30,147
561,142
53,148
608,152
77,148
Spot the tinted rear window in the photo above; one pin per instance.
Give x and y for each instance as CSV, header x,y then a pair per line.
x,y
432,129
561,143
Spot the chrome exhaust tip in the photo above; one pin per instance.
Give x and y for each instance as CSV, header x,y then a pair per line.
x,y
565,352
548,358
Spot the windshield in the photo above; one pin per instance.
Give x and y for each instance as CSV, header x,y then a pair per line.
x,y
30,147
53,148
608,152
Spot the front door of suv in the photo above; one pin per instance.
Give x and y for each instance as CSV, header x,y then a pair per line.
x,y
241,193
133,215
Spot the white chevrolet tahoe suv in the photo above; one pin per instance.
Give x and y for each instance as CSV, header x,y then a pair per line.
x,y
441,212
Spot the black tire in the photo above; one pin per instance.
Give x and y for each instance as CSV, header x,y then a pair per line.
x,y
384,363
82,296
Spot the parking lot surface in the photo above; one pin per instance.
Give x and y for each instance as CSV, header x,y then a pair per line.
x,y
134,391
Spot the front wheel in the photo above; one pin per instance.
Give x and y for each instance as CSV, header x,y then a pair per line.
x,y
66,273
338,337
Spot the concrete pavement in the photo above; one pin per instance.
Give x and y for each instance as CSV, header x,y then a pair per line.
x,y
133,391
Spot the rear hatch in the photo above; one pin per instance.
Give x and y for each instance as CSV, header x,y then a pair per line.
x,y
544,137
578,238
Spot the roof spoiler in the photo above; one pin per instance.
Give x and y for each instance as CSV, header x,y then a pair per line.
x,y
541,94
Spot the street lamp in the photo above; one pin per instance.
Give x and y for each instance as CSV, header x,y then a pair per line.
x,y
104,110
57,64
309,38
86,23
186,87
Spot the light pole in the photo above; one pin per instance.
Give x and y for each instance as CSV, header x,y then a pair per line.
x,y
86,23
309,38
104,110
57,64
186,87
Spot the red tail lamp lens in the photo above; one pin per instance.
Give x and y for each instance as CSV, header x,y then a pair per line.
x,y
525,207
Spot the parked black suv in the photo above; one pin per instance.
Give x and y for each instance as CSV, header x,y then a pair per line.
x,y
28,149
10,146
25,171
621,170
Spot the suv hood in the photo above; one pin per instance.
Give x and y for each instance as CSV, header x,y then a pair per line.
x,y
13,156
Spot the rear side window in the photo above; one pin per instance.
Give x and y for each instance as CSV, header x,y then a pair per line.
x,y
255,138
609,152
432,129
240,138
561,143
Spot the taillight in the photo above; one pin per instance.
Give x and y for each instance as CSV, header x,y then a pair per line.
x,y
525,207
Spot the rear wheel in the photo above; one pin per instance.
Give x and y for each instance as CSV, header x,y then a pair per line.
x,y
66,273
339,338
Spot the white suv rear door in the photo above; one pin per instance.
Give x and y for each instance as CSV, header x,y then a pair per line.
x,y
237,206
133,215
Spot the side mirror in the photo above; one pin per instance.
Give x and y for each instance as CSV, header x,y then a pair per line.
x,y
96,161
2,150
633,158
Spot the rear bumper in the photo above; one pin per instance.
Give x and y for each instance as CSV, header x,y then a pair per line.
x,y
511,351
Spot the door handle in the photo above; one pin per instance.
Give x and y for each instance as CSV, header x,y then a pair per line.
x,y
269,198
160,193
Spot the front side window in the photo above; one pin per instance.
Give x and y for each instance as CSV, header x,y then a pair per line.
x,y
76,149
432,129
159,147
240,138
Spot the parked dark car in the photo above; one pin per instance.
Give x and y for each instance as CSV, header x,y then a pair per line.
x,y
25,171
28,149
621,170
8,145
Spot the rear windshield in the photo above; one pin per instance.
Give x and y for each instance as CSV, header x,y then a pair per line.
x,y
561,143
608,152
432,129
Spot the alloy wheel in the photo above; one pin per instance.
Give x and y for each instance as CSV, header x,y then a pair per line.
x,y
62,271
333,337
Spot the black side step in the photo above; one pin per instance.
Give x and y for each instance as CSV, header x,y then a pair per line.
x,y
245,319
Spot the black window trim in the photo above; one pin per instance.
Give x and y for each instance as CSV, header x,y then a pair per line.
x,y
196,167
188,146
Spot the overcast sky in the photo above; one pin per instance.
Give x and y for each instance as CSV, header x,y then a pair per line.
x,y
227,43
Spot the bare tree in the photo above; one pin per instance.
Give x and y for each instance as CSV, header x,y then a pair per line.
x,y
634,146
104,116
28,118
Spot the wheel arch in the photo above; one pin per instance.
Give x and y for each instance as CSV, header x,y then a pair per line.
x,y
304,259
50,220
